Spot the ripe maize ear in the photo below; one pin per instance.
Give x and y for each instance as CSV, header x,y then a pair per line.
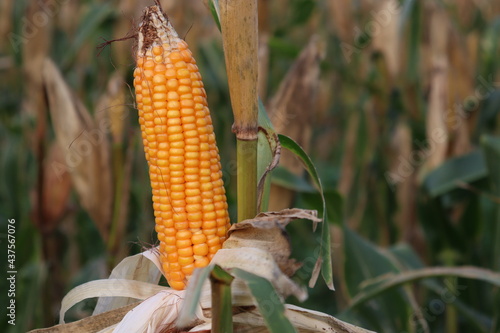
x,y
189,200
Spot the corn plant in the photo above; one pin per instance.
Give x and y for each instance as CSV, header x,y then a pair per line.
x,y
395,101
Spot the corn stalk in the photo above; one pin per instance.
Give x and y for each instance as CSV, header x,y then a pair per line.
x,y
238,20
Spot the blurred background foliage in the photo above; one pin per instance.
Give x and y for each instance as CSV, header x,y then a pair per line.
x,y
396,101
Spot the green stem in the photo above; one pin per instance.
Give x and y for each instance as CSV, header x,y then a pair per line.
x,y
118,162
451,311
246,155
222,308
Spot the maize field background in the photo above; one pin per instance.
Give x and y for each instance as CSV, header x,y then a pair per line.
x,y
396,101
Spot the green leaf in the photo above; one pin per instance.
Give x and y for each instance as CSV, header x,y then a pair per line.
x,y
407,257
489,48
214,71
294,147
282,47
411,13
32,277
219,274
283,177
93,20
407,9
265,154
214,9
334,204
364,261
222,309
221,297
489,107
379,286
193,294
453,172
334,207
325,254
301,11
269,303
491,147
264,120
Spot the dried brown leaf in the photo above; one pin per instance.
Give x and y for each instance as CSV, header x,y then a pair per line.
x,y
69,18
437,132
303,320
349,157
315,272
37,44
250,320
90,324
263,63
461,88
130,11
460,83
401,149
462,143
259,262
111,106
273,239
111,109
466,11
286,215
341,13
122,213
387,38
292,111
290,108
267,232
6,19
275,145
85,146
56,188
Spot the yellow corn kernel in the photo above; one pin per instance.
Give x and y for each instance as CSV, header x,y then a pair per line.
x,y
202,262
179,143
200,249
184,261
188,269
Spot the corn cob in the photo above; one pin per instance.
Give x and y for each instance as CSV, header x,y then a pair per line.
x,y
189,200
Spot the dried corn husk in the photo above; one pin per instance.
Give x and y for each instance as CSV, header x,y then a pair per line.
x,y
136,278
